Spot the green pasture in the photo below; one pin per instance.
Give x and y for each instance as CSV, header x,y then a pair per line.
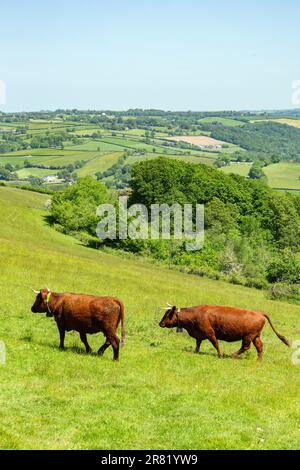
x,y
289,121
100,145
282,175
160,395
220,120
241,169
206,159
99,163
47,156
38,172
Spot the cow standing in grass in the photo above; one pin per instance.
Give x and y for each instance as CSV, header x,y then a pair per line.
x,y
85,314
220,323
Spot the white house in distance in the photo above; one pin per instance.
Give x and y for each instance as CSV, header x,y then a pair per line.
x,y
49,179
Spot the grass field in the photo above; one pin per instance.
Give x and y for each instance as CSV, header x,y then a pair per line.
x,y
99,163
283,175
197,140
94,144
53,158
288,121
205,140
47,156
223,121
241,169
206,159
39,172
160,395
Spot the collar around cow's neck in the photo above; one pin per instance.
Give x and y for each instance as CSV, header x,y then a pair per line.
x,y
47,302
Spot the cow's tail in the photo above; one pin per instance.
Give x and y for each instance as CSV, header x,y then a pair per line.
x,y
281,337
121,317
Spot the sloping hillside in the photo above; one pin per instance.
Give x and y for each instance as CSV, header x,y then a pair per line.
x,y
160,394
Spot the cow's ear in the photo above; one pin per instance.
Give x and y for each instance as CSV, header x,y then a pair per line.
x,y
173,310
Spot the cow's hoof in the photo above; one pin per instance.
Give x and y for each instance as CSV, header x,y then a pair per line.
x,y
221,356
234,356
61,348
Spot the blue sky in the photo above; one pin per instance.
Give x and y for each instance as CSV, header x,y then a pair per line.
x,y
172,55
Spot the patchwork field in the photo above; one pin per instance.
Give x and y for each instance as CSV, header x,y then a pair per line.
x,y
64,141
160,394
71,140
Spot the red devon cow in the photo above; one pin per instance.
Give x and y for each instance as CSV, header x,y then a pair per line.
x,y
215,323
85,314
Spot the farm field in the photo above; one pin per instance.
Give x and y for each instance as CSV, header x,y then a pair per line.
x,y
160,394
60,141
38,172
241,169
224,121
59,137
206,159
46,156
99,163
283,175
94,145
205,140
197,140
136,144
288,121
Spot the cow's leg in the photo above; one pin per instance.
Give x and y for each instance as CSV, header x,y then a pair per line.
x,y
246,344
198,344
259,347
62,337
212,338
114,341
103,348
85,342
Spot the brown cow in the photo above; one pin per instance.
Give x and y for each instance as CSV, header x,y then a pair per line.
x,y
85,314
215,322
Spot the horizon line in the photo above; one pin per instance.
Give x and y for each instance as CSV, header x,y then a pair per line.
x,y
272,110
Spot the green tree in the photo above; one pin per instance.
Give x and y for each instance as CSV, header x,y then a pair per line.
x,y
256,172
75,207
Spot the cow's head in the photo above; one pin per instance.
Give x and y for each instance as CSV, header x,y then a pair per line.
x,y
170,318
40,304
